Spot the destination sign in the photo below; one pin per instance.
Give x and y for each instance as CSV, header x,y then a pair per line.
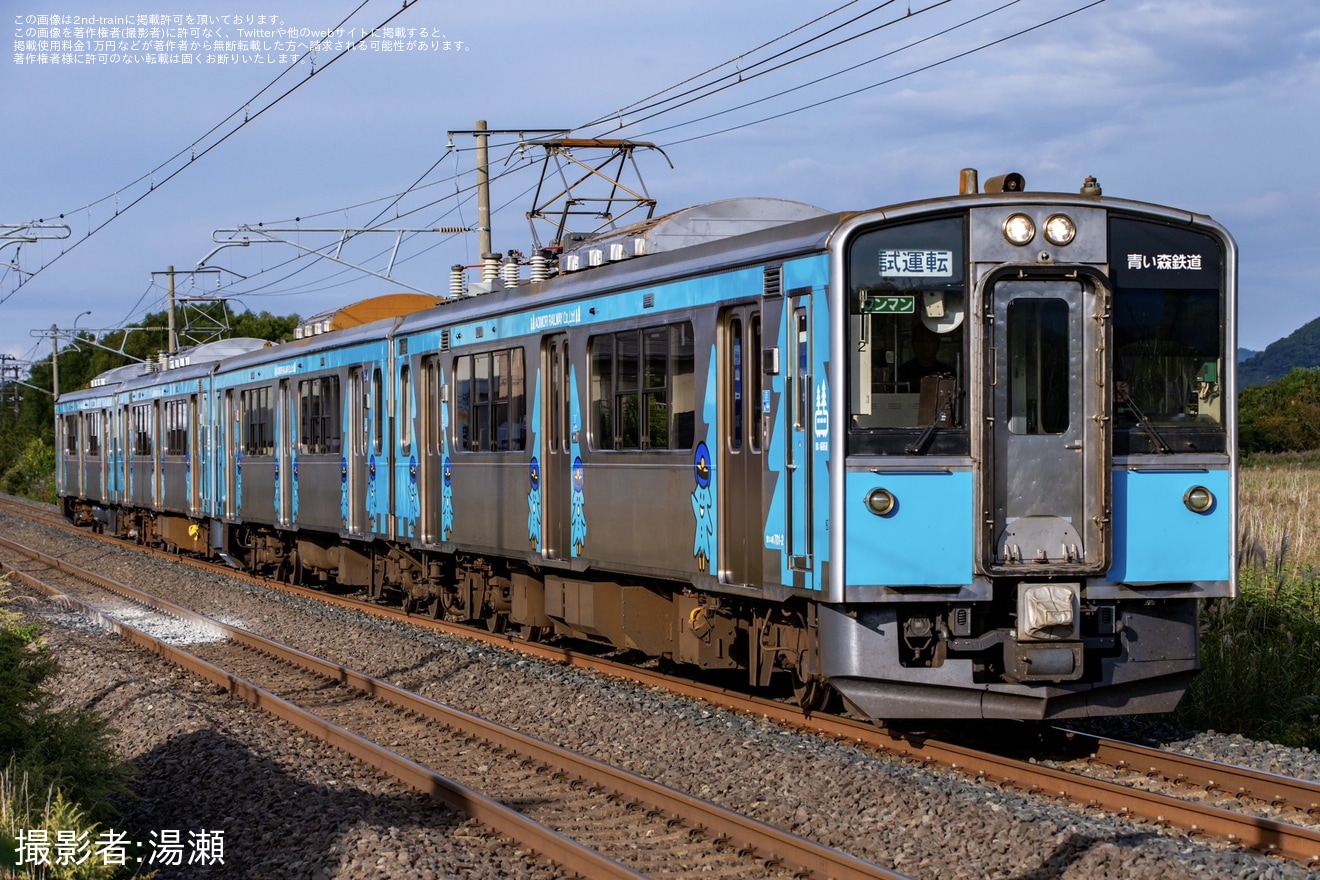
x,y
916,263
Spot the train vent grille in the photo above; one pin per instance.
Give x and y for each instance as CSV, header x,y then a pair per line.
x,y
774,281
444,340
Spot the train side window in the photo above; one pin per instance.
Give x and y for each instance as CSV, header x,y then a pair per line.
x,y
463,403
258,433
514,439
142,430
643,388
176,427
92,422
737,390
756,383
377,411
627,354
70,434
321,416
602,392
491,401
405,409
655,388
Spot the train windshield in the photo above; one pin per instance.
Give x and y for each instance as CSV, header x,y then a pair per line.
x,y
907,300
1168,320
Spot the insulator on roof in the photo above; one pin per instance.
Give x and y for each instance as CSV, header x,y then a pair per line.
x,y
540,268
509,271
490,267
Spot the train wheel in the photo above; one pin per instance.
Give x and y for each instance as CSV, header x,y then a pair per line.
x,y
431,608
525,633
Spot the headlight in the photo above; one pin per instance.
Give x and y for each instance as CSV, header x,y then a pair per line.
x,y
1199,499
880,502
1060,230
1019,229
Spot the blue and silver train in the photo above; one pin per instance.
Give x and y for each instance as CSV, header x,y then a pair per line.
x,y
968,457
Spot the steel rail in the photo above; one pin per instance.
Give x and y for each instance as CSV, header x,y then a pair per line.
x,y
564,851
1268,835
773,844
1272,788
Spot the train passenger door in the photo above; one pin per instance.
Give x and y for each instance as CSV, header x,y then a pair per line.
x,y
232,443
157,442
429,445
799,427
557,468
286,418
742,458
359,409
1046,485
791,422
196,463
106,437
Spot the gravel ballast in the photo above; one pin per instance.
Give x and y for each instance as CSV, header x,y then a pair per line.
x,y
201,757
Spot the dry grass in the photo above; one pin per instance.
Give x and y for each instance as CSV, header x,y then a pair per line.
x,y
1260,652
1279,513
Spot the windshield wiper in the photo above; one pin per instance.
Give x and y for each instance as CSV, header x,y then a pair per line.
x,y
943,411
1122,393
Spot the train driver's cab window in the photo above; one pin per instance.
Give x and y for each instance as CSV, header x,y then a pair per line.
x,y
1168,327
907,305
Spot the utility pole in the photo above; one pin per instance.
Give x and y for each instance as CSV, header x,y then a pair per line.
x,y
490,259
172,342
483,189
174,337
8,381
55,360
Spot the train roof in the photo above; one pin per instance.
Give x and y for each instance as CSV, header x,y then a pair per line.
x,y
771,228
179,366
699,224
768,243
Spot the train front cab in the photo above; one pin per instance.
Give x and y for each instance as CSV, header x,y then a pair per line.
x,y
1027,532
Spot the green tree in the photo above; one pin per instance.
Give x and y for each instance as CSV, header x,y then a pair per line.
x,y
1281,416
27,411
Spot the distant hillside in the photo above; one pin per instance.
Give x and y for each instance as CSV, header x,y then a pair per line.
x,y
1301,348
1246,354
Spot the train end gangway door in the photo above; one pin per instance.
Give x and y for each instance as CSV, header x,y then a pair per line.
x,y
1046,482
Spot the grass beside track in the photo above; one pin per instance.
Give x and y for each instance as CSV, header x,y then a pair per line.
x,y
1260,652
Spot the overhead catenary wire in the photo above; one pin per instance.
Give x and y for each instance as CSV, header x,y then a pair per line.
x,y
737,58
748,77
886,81
463,193
248,117
397,198
391,204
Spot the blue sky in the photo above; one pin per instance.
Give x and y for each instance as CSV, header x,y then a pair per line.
x,y
1212,105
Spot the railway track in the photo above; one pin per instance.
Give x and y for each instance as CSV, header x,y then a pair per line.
x,y
588,817
1229,819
